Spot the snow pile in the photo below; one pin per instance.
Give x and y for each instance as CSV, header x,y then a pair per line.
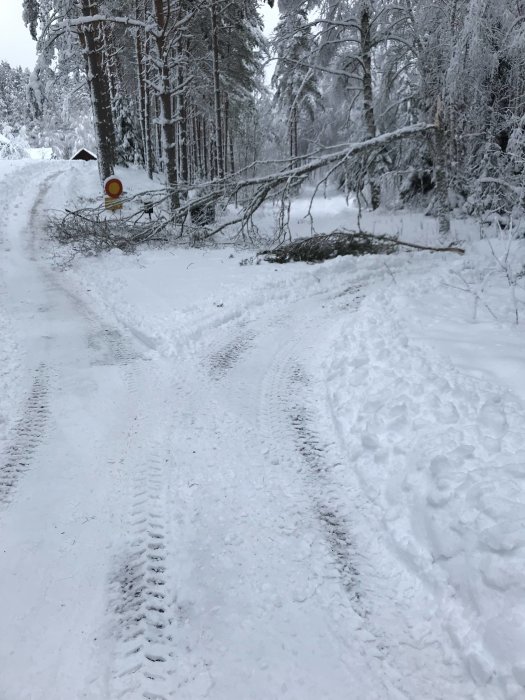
x,y
468,311
171,300
441,456
42,153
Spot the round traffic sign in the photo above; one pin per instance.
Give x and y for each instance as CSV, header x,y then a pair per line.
x,y
113,187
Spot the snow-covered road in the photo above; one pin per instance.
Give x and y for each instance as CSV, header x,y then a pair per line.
x,y
189,525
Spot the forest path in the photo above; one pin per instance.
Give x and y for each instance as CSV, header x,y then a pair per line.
x,y
176,528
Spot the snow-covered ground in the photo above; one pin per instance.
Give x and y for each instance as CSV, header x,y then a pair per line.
x,y
227,480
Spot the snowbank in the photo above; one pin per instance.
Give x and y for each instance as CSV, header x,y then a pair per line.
x,y
440,453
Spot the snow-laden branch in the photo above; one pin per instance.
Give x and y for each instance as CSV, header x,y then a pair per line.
x,y
150,27
80,22
279,182
345,153
503,183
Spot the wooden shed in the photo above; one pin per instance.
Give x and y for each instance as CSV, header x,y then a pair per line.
x,y
84,154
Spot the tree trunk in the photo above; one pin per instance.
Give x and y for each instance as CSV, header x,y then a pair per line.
x,y
144,97
197,146
293,135
368,100
226,131
440,175
232,157
213,157
183,122
167,119
206,150
219,150
99,90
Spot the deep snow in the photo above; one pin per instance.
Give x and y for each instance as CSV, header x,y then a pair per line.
x,y
257,481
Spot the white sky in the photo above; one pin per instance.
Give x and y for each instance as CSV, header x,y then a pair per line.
x,y
16,45
269,15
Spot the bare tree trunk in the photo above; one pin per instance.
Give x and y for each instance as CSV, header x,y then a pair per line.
x,y
232,156
293,134
99,90
254,141
141,87
206,150
148,120
144,97
213,158
197,140
226,131
168,121
217,90
368,99
197,163
182,119
440,174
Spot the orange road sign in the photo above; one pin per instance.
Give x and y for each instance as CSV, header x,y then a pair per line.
x,y
113,187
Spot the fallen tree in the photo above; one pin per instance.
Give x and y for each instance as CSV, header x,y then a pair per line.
x,y
105,231
279,184
89,232
329,245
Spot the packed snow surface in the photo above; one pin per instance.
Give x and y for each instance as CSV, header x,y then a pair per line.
x,y
229,480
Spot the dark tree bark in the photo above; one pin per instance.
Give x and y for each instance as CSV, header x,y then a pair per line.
x,y
368,99
226,131
293,131
232,155
206,151
182,118
144,97
167,117
217,91
440,174
91,43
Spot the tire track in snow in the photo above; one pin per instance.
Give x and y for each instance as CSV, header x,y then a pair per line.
x,y
18,449
110,348
143,605
353,296
316,480
359,570
27,435
224,359
77,338
140,602
315,454
226,356
107,343
290,419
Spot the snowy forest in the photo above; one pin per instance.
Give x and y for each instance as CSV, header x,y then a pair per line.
x,y
179,88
